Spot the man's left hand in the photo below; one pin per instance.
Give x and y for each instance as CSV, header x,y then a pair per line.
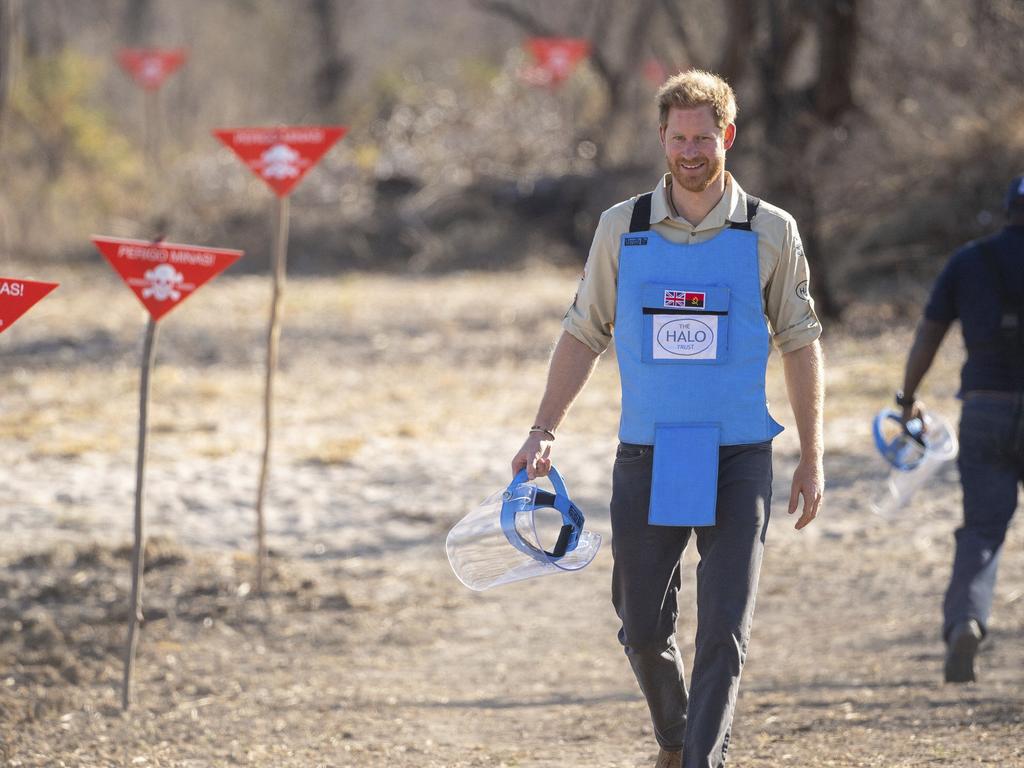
x,y
809,482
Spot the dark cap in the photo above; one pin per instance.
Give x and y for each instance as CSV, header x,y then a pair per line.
x,y
1015,194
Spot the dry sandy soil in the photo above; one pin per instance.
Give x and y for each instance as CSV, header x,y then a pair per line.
x,y
399,404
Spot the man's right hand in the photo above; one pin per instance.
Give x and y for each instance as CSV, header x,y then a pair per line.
x,y
914,411
534,455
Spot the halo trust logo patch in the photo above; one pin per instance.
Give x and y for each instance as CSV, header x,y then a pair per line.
x,y
685,337
802,291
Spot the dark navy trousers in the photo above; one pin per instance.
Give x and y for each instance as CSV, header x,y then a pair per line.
x,y
991,465
645,585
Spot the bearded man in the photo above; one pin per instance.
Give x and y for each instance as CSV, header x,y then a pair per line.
x,y
695,280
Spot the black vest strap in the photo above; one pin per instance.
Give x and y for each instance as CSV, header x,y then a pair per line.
x,y
641,220
752,206
1010,342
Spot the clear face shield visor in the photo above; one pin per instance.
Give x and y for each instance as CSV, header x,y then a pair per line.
x,y
519,533
914,453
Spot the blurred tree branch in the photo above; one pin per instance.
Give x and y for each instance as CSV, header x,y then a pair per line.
x,y
8,22
518,15
673,11
615,72
739,39
137,22
334,67
796,118
735,52
793,116
837,31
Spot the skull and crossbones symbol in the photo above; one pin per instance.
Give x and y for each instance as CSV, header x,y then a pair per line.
x,y
162,281
279,162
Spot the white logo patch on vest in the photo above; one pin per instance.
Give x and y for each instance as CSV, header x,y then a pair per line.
x,y
678,337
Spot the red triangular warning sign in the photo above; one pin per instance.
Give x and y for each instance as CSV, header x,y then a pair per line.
x,y
149,67
282,156
18,296
163,274
654,72
557,57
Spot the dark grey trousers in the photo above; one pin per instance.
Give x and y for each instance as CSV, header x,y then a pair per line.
x,y
991,465
645,585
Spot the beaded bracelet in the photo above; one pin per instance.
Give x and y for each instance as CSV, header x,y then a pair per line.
x,y
538,428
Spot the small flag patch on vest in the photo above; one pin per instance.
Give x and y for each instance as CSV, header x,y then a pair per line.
x,y
691,299
675,299
636,241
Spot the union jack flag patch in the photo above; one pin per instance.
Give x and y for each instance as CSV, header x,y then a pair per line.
x,y
675,298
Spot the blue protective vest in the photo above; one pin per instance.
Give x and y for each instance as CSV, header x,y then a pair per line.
x,y
692,344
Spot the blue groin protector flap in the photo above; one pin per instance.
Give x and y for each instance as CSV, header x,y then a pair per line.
x,y
684,486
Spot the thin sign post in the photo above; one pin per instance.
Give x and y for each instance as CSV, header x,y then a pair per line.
x,y
281,157
161,275
149,68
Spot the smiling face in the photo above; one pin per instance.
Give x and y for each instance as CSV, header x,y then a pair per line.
x,y
695,147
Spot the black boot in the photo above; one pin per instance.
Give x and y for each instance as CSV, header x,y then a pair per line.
x,y
961,648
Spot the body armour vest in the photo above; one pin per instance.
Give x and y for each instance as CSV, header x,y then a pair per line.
x,y
692,344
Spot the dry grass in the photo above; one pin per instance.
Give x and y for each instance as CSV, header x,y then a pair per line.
x,y
337,452
398,403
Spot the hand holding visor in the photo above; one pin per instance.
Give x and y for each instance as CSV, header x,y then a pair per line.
x,y
914,450
500,542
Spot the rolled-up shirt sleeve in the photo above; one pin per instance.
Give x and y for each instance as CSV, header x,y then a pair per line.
x,y
789,306
591,317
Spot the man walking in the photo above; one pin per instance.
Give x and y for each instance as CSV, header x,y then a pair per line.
x,y
983,286
693,279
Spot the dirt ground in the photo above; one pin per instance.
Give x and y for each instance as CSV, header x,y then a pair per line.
x,y
398,408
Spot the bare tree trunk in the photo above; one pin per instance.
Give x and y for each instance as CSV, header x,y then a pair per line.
x,y
838,33
44,27
674,12
137,21
616,72
334,68
739,39
795,119
7,41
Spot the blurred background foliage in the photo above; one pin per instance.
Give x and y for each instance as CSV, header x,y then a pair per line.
x,y
887,127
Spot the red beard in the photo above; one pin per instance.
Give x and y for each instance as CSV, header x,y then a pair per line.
x,y
697,181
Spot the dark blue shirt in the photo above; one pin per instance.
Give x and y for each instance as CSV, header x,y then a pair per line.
x,y
968,290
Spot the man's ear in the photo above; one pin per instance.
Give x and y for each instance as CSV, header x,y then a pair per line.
x,y
730,135
661,135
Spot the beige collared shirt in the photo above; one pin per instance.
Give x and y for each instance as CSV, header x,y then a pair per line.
x,y
786,302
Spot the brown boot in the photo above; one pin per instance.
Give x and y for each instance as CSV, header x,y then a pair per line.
x,y
668,759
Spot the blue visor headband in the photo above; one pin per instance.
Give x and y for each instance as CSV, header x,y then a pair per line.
x,y
906,449
522,498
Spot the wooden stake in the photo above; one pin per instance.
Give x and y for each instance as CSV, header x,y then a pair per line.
x,y
273,337
151,132
138,550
